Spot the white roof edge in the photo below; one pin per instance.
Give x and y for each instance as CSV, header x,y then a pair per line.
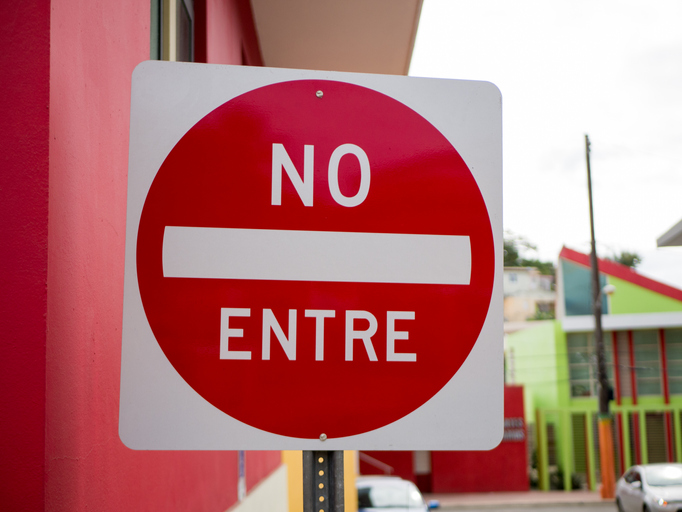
x,y
672,237
585,323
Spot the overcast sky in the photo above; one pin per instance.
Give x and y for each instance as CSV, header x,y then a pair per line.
x,y
566,68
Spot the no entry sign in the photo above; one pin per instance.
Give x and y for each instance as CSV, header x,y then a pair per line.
x,y
312,261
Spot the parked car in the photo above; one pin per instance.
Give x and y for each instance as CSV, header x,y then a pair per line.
x,y
650,488
390,492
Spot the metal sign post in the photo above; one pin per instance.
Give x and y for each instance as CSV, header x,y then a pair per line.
x,y
608,487
323,481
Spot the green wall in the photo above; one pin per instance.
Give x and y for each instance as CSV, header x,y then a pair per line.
x,y
539,365
630,298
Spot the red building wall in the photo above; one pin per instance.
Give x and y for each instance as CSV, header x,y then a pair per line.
x,y
24,166
504,468
65,97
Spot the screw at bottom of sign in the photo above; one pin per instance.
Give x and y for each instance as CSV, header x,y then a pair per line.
x,y
319,94
323,437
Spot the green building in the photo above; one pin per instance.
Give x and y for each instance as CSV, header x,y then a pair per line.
x,y
555,361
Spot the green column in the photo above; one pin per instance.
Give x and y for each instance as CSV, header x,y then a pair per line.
x,y
627,456
678,434
566,436
644,448
590,450
542,451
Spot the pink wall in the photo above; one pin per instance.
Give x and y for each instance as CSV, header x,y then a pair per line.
x,y
223,46
63,154
226,33
259,465
24,139
65,113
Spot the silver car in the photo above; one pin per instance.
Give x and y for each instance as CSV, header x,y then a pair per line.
x,y
390,492
650,488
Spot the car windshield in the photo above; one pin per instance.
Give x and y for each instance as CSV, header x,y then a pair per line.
x,y
664,476
389,496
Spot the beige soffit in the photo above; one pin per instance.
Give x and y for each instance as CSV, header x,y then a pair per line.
x,y
367,36
672,237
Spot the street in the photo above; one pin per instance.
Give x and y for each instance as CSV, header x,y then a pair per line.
x,y
533,501
565,507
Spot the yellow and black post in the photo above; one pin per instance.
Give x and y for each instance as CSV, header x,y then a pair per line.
x,y
323,481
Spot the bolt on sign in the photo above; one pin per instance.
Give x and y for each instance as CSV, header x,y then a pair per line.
x,y
313,261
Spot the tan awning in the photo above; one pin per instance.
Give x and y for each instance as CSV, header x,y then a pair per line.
x,y
368,36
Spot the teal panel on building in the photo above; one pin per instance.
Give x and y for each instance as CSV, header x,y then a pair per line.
x,y
577,281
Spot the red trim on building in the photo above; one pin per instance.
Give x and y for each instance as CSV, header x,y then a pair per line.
x,y
622,272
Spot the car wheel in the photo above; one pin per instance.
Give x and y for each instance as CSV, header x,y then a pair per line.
x,y
619,505
645,508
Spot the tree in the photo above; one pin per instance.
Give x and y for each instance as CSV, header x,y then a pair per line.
x,y
627,258
545,267
511,254
515,245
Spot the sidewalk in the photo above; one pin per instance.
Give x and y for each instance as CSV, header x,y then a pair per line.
x,y
511,500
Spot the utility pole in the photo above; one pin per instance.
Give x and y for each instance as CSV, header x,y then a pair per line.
x,y
605,423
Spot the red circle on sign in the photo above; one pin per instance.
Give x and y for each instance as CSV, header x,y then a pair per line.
x,y
219,175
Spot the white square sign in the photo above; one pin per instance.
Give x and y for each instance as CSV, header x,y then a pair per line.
x,y
313,261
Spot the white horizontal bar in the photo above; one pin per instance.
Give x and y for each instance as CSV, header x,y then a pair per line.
x,y
623,322
283,255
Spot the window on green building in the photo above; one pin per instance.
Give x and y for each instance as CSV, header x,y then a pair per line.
x,y
673,352
624,363
582,363
647,362
579,365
